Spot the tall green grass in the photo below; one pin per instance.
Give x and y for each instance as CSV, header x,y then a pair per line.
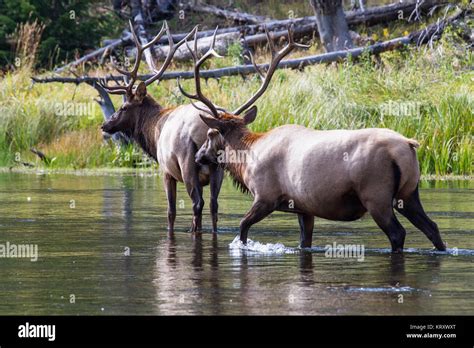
x,y
438,81
29,117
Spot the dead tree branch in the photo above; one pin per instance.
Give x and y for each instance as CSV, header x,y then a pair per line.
x,y
428,34
370,16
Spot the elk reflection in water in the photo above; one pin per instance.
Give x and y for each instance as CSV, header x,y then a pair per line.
x,y
83,251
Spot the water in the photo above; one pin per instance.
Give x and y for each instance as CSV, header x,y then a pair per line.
x,y
84,226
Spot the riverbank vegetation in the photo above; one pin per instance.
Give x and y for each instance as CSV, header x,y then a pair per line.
x,y
424,93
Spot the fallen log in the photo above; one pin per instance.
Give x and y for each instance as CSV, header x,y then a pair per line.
x,y
114,44
303,26
182,53
240,17
370,16
127,38
388,13
428,34
224,40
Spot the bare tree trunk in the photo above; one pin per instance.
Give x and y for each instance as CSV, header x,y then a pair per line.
x,y
139,23
332,24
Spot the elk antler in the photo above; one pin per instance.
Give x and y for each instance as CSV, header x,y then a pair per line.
x,y
276,58
213,110
169,57
131,76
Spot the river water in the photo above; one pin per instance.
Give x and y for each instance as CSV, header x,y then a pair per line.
x,y
103,248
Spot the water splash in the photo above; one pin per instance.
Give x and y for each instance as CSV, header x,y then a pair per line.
x,y
237,247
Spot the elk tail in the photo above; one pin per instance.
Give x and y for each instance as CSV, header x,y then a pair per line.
x,y
405,168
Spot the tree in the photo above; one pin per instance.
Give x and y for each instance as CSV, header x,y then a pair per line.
x,y
332,25
70,26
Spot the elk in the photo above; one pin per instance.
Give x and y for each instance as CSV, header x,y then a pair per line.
x,y
336,174
171,136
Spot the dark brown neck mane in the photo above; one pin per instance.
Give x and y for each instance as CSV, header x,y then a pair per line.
x,y
152,117
240,139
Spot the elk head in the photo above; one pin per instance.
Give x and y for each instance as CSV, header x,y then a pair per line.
x,y
220,122
215,142
209,151
136,100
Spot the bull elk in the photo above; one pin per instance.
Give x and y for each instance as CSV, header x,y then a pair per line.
x,y
171,136
336,175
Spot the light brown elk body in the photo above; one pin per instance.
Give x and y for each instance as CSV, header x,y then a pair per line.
x,y
336,175
171,136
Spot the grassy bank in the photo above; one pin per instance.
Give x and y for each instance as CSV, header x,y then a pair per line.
x,y
153,171
426,94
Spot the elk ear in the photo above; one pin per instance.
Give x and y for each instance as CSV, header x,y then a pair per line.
x,y
140,93
216,138
212,132
211,121
250,115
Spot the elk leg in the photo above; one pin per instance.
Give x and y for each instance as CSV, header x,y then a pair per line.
x,y
258,212
414,212
385,218
215,186
195,192
306,230
170,189
190,173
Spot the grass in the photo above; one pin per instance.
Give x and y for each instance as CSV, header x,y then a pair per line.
x,y
426,94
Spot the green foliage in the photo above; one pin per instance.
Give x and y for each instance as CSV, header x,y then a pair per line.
x,y
71,25
234,51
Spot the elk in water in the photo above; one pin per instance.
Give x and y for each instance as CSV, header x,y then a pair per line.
x,y
171,136
336,175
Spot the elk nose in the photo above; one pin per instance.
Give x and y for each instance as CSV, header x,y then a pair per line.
x,y
198,158
105,133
